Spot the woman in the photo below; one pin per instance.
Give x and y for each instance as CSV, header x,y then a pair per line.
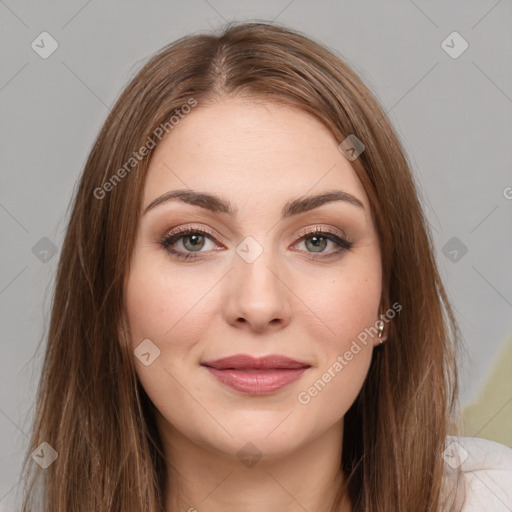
x,y
248,313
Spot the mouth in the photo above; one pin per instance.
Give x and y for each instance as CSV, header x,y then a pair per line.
x,y
256,375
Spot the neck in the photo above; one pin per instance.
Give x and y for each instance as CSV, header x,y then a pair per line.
x,y
206,480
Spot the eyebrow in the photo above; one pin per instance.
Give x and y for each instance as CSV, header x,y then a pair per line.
x,y
217,204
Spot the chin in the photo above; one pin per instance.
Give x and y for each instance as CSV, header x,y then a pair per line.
x,y
270,438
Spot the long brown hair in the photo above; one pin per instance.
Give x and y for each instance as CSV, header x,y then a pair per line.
x,y
91,408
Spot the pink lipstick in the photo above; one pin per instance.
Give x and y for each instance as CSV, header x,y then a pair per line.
x,y
256,375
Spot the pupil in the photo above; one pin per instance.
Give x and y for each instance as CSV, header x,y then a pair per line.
x,y
317,240
196,242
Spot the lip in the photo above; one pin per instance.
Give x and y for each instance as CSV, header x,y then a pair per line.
x,y
256,375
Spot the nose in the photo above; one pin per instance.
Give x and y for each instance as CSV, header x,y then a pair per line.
x,y
257,295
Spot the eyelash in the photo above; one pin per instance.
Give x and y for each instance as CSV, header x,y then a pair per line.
x,y
172,238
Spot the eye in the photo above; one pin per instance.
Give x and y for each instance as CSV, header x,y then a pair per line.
x,y
316,241
193,240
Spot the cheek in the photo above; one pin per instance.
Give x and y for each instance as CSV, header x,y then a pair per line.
x,y
164,307
330,393
159,305
348,306
148,305
347,303
345,352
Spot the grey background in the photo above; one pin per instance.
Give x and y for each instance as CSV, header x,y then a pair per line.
x,y
452,114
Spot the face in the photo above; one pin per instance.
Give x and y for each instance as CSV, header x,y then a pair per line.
x,y
273,277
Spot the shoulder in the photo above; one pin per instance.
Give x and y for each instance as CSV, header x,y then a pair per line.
x,y
486,467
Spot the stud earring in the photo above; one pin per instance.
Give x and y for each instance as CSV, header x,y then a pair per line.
x,y
381,329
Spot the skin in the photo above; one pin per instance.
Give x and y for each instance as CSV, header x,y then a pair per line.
x,y
258,155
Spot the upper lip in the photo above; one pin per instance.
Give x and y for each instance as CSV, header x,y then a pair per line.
x,y
245,361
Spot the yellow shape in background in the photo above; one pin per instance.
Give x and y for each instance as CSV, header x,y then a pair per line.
x,y
490,415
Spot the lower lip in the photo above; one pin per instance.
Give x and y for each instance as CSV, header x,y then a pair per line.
x,y
257,382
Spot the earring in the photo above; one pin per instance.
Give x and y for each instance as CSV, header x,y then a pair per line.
x,y
381,329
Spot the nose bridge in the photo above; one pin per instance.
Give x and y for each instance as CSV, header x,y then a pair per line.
x,y
256,263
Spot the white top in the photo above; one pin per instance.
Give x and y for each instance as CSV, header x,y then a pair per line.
x,y
487,470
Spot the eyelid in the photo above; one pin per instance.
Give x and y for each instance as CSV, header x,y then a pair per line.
x,y
334,231
181,229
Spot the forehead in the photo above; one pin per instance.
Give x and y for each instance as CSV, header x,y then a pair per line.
x,y
250,150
